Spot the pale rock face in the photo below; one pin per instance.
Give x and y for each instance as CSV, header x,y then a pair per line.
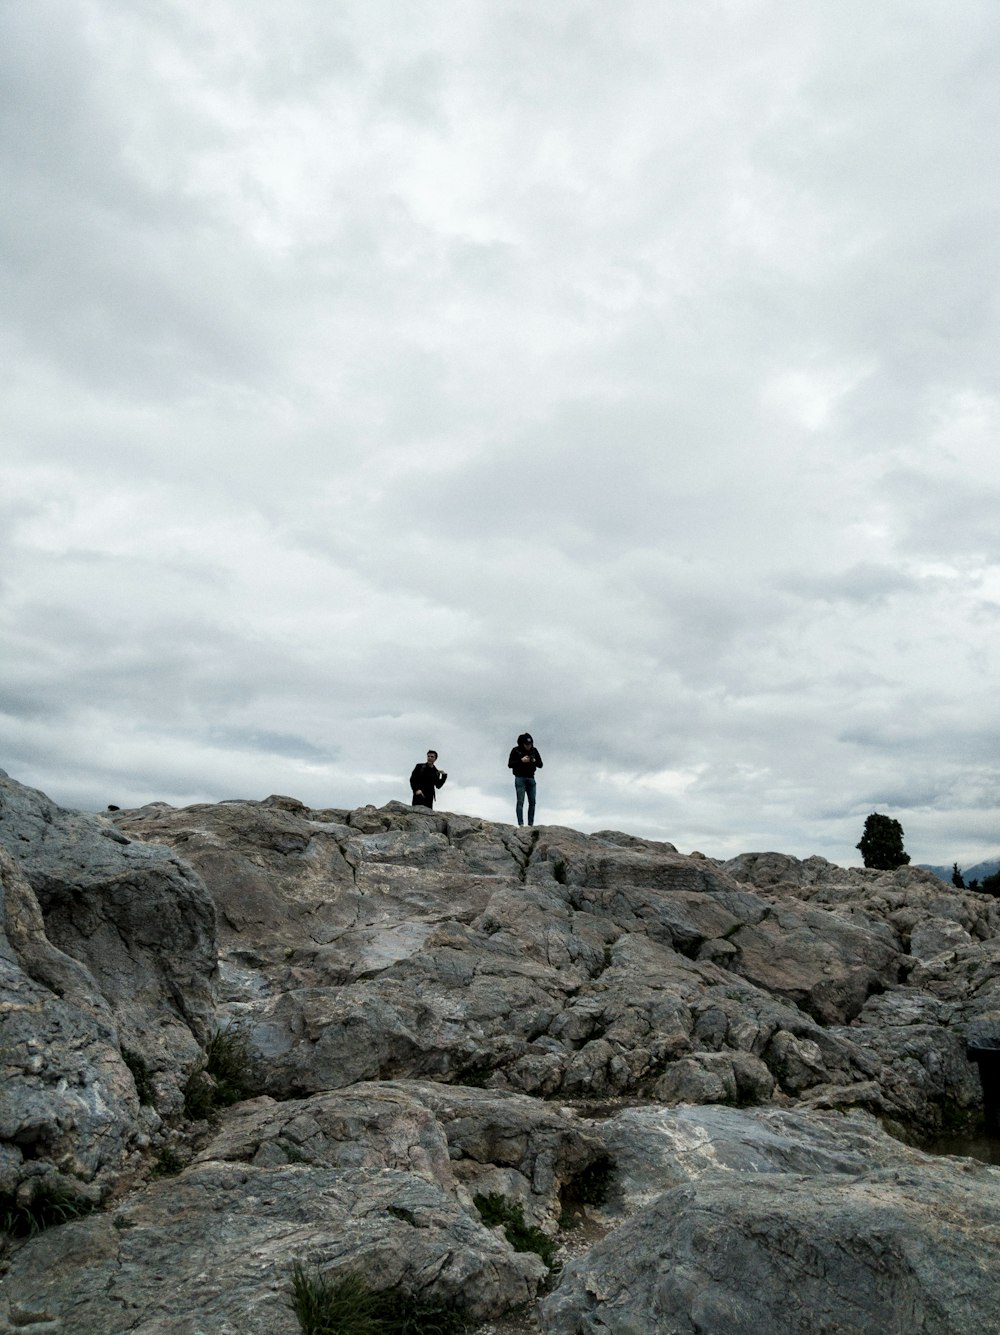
x,y
438,1008
137,919
68,1109
884,1252
213,1249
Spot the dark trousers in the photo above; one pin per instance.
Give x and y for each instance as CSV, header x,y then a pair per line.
x,y
522,786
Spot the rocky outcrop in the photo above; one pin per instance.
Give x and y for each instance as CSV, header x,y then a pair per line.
x,y
68,1109
885,1253
213,1249
435,1010
135,918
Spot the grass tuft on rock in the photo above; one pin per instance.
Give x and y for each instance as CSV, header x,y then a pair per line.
x,y
168,1163
142,1075
495,1209
222,1077
48,1207
345,1305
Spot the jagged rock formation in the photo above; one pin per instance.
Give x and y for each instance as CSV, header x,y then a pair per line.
x,y
437,1008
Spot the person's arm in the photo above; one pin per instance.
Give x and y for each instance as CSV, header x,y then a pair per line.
x,y
414,780
537,759
439,781
513,757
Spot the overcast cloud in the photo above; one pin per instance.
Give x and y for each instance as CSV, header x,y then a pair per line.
x,y
385,376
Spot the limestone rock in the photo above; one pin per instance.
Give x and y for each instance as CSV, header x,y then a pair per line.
x,y
887,1252
133,915
69,1115
656,1148
213,1249
438,1007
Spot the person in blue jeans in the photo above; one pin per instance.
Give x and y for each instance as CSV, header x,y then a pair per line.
x,y
524,760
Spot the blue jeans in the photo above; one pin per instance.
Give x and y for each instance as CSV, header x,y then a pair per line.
x,y
522,786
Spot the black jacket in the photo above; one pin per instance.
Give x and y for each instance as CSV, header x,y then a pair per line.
x,y
524,769
426,778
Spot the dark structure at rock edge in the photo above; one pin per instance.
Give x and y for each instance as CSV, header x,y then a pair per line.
x,y
696,1063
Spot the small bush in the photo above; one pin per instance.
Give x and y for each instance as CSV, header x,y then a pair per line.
x,y
168,1163
496,1209
475,1077
142,1076
990,885
48,1207
222,1077
590,1187
345,1305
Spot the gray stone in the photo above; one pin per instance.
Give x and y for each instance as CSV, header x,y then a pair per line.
x,y
437,1007
213,1249
656,1148
137,918
888,1252
69,1116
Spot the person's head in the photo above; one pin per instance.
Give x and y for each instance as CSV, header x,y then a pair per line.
x,y
432,757
525,739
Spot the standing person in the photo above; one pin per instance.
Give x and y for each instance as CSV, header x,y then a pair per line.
x,y
425,780
524,760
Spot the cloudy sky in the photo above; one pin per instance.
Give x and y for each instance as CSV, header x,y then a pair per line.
x,y
379,376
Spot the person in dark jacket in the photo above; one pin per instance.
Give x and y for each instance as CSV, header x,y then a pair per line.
x,y
524,760
425,781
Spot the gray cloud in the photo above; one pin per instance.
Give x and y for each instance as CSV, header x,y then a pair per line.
x,y
627,377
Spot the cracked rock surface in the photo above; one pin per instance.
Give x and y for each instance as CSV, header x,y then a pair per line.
x,y
677,1069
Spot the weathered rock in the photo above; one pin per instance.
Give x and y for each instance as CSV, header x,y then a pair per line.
x,y
134,915
825,964
69,1115
527,1151
365,1126
887,1252
901,898
395,942
466,1141
417,988
656,1148
213,1249
934,936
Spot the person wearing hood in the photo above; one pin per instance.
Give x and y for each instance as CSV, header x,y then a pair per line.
x,y
524,760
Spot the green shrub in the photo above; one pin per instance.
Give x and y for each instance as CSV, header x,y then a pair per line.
x,y
496,1209
345,1305
222,1077
590,1187
168,1163
881,844
142,1076
990,885
50,1205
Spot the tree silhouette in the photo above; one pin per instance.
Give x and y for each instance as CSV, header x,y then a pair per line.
x,y
991,885
957,879
881,844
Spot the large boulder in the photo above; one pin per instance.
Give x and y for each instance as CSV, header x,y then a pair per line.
x,y
765,1232
136,917
70,1119
213,1249
400,943
438,1008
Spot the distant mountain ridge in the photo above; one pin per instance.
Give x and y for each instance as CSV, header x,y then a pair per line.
x,y
976,873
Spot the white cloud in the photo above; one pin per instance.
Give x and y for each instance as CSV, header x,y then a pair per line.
x,y
625,376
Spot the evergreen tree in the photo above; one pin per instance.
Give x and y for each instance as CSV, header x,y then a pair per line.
x,y
881,844
991,884
957,879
